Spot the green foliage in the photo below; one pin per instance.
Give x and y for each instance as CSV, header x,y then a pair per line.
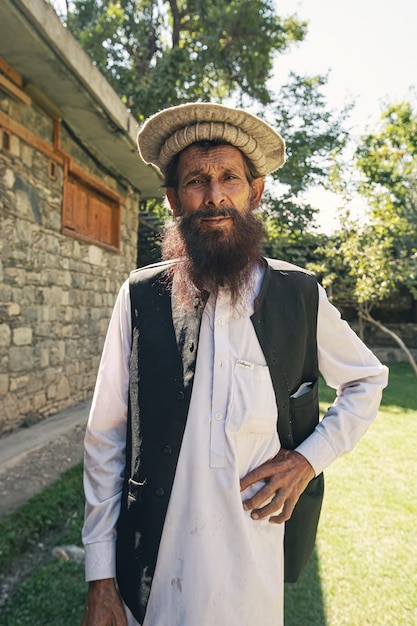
x,y
374,260
387,159
290,244
159,53
357,265
315,137
314,134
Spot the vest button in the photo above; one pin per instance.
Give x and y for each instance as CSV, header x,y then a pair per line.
x,y
167,449
180,395
159,492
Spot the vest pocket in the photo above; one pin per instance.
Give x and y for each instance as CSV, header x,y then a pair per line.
x,y
304,410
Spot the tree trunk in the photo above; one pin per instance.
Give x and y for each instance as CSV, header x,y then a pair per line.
x,y
368,318
176,20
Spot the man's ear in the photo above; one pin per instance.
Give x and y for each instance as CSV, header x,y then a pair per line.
x,y
257,189
172,197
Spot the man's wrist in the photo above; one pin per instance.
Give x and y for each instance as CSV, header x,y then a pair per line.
x,y
102,583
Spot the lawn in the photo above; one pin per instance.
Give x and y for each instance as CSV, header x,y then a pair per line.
x,y
362,573
364,570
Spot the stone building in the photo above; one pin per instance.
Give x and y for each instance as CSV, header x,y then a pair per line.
x,y
70,186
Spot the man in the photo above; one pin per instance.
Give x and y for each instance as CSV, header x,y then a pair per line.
x,y
203,432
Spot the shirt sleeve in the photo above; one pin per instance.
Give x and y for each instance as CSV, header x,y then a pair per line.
x,y
348,366
105,444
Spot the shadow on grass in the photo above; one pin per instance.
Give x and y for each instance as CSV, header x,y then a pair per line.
x,y
303,600
402,387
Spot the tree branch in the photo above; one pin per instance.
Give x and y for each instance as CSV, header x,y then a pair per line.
x,y
368,318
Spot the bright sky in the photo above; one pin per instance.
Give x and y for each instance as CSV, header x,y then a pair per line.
x,y
370,48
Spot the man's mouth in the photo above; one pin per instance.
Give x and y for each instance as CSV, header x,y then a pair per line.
x,y
219,220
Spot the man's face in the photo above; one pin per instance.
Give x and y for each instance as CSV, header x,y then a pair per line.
x,y
217,235
210,180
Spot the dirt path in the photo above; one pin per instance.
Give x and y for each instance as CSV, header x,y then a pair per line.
x,y
34,457
39,468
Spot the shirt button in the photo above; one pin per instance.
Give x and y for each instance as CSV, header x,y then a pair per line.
x,y
167,449
180,395
159,492
218,416
221,322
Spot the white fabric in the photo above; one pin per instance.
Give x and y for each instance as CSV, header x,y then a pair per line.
x,y
215,563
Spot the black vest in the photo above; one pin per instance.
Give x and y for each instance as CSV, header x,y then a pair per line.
x,y
164,350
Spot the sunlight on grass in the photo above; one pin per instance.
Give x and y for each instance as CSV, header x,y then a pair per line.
x,y
367,540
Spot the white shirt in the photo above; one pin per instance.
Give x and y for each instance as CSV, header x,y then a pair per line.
x,y
215,564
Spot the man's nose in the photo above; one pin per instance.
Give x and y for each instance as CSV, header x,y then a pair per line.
x,y
215,195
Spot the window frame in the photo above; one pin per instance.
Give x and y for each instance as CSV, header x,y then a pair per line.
x,y
97,220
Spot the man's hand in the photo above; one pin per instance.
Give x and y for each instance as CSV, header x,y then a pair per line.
x,y
103,606
286,476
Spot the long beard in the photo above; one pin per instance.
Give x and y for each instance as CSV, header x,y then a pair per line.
x,y
211,257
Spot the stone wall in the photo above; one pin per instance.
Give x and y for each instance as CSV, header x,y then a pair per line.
x,y
56,293
385,346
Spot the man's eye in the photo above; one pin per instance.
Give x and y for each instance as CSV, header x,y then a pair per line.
x,y
195,181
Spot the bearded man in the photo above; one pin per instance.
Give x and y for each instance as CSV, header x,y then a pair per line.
x,y
204,437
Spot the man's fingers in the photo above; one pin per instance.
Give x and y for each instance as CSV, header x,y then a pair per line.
x,y
275,505
256,475
259,497
285,514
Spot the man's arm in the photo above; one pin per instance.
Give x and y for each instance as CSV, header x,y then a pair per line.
x,y
352,369
104,465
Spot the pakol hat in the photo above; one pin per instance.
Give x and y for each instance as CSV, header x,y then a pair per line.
x,y
170,131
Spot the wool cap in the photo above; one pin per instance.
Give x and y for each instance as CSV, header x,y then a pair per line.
x,y
168,132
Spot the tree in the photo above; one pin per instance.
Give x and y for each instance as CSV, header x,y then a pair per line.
x,y
380,257
159,53
387,160
315,137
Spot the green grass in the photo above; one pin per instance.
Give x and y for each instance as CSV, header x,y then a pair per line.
x,y
362,573
58,508
54,593
53,596
364,570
